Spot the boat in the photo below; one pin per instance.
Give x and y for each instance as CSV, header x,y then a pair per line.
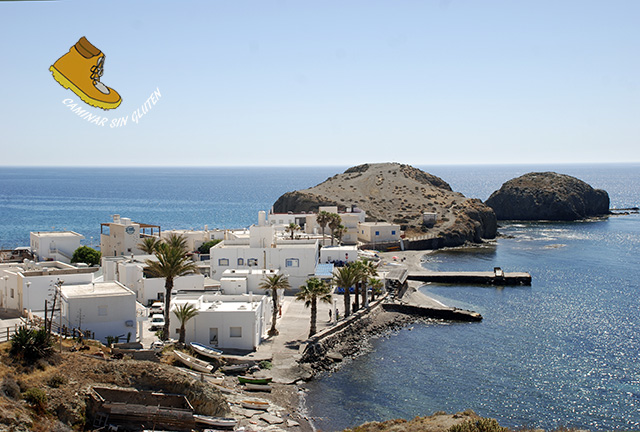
x,y
256,405
236,368
192,362
205,377
205,350
225,422
254,380
257,387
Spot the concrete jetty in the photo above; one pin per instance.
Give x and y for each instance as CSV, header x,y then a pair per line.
x,y
482,278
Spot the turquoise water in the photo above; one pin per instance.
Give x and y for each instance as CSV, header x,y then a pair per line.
x,y
562,352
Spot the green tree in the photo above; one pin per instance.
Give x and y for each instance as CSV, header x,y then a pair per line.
x,y
149,245
359,274
376,287
272,284
346,277
334,222
369,270
205,248
292,228
177,241
314,290
87,255
184,313
323,219
341,230
171,263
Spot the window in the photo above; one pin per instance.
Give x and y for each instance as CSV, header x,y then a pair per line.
x,y
377,233
12,293
292,262
235,332
393,232
223,262
102,310
240,261
252,262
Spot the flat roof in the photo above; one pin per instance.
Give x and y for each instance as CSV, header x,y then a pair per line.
x,y
56,234
98,289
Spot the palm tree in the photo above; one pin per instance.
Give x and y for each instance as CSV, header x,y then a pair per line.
x,y
292,228
376,287
172,263
346,277
334,222
314,290
184,312
340,232
359,274
323,219
149,245
273,284
177,241
370,270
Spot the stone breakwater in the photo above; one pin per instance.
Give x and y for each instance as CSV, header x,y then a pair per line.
x,y
351,337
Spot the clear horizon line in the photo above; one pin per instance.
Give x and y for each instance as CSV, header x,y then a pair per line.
x,y
324,165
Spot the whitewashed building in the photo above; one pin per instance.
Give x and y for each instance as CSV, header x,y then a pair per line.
x,y
308,224
26,286
225,321
195,238
297,259
244,281
122,236
378,232
54,245
333,254
104,308
130,272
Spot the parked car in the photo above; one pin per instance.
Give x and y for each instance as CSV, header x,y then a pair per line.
x,y
157,322
156,308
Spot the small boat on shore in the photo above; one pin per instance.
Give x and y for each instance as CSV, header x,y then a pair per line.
x,y
205,350
255,405
205,377
224,422
254,380
257,387
192,362
236,368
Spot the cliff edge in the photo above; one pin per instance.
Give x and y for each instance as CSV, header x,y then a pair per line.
x,y
548,196
400,194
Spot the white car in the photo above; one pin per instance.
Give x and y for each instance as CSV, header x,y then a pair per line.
x,y
157,322
157,307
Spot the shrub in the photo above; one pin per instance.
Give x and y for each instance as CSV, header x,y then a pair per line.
x,y
265,364
482,425
37,398
31,344
56,381
204,249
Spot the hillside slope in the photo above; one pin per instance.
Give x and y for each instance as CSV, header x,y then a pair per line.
x,y
400,194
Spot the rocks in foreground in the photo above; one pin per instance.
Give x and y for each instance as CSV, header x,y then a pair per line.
x,y
548,196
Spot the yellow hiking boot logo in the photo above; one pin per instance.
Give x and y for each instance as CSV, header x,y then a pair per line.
x,y
80,70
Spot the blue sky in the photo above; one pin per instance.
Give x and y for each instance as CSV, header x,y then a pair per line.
x,y
328,83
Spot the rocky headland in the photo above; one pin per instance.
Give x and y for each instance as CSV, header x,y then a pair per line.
x,y
400,194
548,196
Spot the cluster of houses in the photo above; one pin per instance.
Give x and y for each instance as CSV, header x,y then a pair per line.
x,y
233,311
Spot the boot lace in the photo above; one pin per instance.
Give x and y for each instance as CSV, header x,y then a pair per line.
x,y
97,70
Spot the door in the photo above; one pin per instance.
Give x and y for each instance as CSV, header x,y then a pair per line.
x,y
213,337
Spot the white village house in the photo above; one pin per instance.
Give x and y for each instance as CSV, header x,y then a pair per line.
x,y
378,232
122,236
104,308
225,321
262,249
54,245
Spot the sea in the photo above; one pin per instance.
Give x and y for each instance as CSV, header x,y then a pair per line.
x,y
563,352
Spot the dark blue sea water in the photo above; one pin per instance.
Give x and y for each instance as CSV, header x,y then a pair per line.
x,y
563,352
